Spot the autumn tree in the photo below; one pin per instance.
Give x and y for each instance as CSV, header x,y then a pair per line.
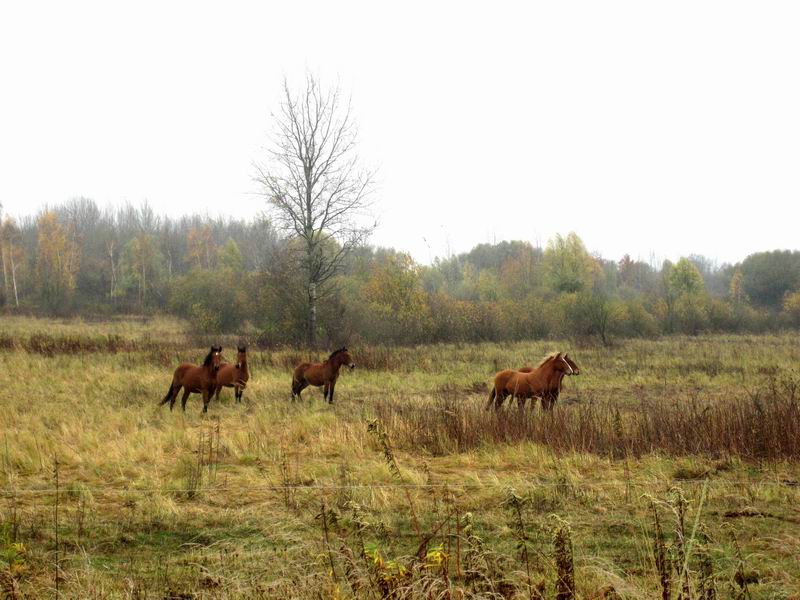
x,y
315,186
736,289
57,261
201,248
395,293
141,262
791,304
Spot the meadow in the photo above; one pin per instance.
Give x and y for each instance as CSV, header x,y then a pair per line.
x,y
668,469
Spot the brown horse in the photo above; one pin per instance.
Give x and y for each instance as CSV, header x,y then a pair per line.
x,y
194,379
321,374
234,375
550,395
544,381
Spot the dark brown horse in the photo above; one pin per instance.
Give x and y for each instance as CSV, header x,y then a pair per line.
x,y
194,380
543,381
234,375
321,374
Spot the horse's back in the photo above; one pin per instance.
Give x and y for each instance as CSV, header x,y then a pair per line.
x,y
182,370
300,370
502,378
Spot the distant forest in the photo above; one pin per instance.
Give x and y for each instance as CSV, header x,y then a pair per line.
x,y
239,276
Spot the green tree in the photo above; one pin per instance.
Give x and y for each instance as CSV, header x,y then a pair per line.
x,y
230,257
687,291
767,276
569,266
685,278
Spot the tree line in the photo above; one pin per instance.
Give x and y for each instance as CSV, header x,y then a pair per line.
x,y
242,276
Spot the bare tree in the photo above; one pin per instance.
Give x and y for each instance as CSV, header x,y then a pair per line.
x,y
315,186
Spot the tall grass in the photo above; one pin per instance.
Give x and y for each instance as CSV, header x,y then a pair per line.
x,y
760,425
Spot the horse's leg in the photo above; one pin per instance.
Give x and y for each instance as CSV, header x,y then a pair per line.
x,y
174,396
216,392
186,393
325,391
545,402
166,398
492,394
237,392
330,391
206,399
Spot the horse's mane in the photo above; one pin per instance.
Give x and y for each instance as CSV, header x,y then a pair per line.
x,y
207,360
548,358
335,352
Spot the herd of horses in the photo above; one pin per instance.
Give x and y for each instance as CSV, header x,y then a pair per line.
x,y
540,382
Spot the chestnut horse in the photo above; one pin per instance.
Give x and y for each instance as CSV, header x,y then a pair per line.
x,y
194,379
550,395
234,375
544,381
321,374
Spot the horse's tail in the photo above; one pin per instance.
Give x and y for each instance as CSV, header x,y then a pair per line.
x,y
492,395
166,398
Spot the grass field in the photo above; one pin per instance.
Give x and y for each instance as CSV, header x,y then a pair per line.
x,y
406,486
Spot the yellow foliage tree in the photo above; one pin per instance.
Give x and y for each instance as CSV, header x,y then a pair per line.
x,y
791,304
57,260
202,250
395,292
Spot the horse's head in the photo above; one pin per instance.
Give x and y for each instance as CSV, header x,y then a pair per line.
x,y
241,356
575,369
214,358
342,356
560,363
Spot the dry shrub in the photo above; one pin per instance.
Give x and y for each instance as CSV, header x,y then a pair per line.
x,y
763,425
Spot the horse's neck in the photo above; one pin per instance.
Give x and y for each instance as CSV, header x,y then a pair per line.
x,y
555,380
543,374
335,364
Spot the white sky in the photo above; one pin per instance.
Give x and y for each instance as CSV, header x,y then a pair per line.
x,y
655,128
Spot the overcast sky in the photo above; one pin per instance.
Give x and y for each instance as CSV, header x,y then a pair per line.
x,y
654,128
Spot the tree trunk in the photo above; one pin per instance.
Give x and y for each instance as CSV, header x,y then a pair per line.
x,y
312,314
144,285
14,277
5,274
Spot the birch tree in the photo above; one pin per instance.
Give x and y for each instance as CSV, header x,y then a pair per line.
x,y
316,189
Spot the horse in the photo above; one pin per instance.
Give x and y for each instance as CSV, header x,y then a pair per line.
x,y
321,374
543,381
234,375
550,395
194,379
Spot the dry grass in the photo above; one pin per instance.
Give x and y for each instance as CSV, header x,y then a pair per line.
x,y
762,425
154,504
